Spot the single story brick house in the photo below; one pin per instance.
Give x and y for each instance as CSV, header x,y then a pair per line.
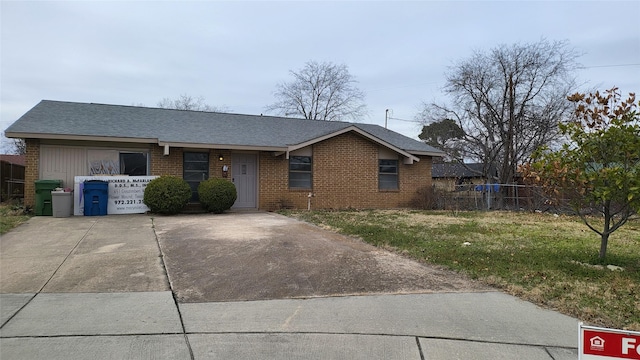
x,y
274,162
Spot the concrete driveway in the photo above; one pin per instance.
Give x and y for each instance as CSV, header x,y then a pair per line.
x,y
82,254
228,257
135,286
259,256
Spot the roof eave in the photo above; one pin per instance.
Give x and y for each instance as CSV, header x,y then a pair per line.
x,y
222,146
427,153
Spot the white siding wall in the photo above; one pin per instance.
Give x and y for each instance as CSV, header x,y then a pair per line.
x,y
63,162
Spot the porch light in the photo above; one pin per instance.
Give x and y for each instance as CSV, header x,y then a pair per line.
x,y
220,157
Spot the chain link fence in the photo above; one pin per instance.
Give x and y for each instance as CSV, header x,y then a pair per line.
x,y
514,197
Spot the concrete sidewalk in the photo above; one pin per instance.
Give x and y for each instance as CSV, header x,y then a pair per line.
x,y
149,325
95,287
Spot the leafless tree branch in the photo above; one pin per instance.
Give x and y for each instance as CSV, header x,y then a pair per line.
x,y
189,102
508,101
320,91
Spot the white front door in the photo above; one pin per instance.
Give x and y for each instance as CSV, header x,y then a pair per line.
x,y
244,176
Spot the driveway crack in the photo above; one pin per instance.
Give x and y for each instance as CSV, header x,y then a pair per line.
x,y
173,293
420,348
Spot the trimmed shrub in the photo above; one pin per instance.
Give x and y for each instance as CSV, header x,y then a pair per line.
x,y
167,194
217,195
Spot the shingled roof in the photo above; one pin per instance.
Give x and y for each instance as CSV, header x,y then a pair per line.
x,y
455,170
14,159
102,122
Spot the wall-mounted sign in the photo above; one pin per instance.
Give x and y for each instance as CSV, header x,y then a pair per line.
x,y
125,193
608,344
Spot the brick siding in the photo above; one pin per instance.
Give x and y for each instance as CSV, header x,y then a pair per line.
x,y
32,171
172,163
165,165
345,175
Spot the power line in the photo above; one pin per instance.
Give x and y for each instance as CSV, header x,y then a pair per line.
x,y
610,65
413,121
387,117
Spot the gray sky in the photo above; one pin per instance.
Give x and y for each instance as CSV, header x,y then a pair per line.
x,y
234,53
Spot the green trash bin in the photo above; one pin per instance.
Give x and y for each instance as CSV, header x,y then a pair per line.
x,y
43,196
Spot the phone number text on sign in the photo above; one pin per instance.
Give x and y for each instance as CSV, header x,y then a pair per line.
x,y
127,202
126,194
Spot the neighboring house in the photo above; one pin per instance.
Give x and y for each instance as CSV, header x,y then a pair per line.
x,y
274,162
11,177
449,177
462,186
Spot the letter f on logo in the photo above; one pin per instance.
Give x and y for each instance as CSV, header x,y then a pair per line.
x,y
629,344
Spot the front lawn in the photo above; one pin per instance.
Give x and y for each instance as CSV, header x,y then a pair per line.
x,y
543,258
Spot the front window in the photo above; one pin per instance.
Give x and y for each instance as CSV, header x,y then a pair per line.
x,y
133,164
195,169
300,172
117,162
388,174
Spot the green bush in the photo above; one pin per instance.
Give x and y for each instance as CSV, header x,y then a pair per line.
x,y
217,195
167,194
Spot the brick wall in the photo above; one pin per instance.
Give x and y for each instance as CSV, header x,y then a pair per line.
x,y
215,165
166,165
172,164
345,175
273,187
32,171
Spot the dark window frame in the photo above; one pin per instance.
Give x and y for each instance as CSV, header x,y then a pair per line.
x,y
388,175
195,169
122,157
299,171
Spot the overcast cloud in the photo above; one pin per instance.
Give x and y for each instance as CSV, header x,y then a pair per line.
x,y
234,53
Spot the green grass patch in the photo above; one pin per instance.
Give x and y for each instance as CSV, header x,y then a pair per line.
x,y
11,215
546,259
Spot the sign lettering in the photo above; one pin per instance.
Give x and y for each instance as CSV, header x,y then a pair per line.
x,y
601,343
125,196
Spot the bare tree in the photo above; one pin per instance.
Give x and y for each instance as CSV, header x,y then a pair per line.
x,y
19,146
13,146
509,102
188,102
320,91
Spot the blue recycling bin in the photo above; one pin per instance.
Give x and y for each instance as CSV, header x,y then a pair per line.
x,y
96,194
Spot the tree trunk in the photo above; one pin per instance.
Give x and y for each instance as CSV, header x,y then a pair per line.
x,y
604,238
603,245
